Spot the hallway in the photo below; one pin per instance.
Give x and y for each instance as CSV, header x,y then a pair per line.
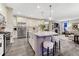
x,y
20,47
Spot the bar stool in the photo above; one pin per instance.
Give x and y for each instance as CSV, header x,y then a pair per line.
x,y
57,40
48,48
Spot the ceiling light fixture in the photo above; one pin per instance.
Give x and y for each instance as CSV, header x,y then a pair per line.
x,y
50,17
38,6
0,9
46,22
19,13
42,14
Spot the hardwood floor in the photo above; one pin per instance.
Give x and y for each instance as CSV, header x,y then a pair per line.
x,y
20,47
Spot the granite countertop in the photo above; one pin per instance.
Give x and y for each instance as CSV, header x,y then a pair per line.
x,y
4,32
45,33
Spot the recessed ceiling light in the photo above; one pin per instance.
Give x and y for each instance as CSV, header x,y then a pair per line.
x,y
50,18
30,15
0,9
52,11
19,13
38,6
46,22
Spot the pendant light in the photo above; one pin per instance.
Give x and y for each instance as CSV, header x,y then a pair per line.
x,y
42,14
50,17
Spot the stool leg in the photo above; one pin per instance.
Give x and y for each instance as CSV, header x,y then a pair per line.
x,y
51,39
42,49
55,47
48,51
74,38
53,51
59,47
77,39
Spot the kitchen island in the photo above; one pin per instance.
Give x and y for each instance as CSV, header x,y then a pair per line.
x,y
36,39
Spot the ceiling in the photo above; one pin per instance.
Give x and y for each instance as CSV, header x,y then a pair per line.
x,y
66,11
60,11
31,10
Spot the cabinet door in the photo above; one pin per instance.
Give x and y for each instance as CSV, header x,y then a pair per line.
x,y
1,45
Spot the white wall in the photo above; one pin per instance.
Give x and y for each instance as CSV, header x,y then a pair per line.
x,y
30,23
7,12
3,11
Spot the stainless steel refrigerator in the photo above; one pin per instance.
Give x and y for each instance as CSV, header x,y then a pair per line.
x,y
21,30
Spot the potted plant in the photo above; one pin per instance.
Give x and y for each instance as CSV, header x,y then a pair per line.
x,y
42,26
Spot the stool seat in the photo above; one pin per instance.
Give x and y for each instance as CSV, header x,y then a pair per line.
x,y
49,44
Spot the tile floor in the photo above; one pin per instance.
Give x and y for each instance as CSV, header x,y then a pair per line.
x,y
21,47
69,48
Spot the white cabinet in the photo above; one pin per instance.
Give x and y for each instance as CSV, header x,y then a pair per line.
x,y
1,45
